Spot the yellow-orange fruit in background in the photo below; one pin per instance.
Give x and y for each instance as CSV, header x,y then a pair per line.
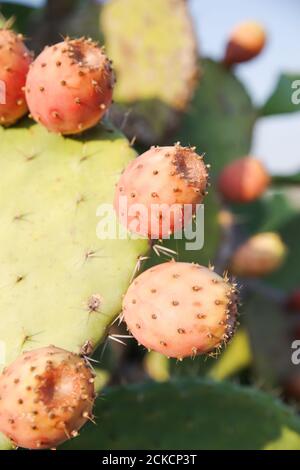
x,y
259,255
243,180
246,41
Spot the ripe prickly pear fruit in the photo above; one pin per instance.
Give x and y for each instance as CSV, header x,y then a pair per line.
x,y
69,86
243,180
246,41
259,255
15,59
46,396
181,309
161,190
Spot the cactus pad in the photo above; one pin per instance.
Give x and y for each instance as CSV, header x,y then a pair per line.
x,y
5,443
60,284
155,59
191,414
285,96
220,118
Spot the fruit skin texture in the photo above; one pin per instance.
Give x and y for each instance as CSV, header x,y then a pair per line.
x,y
180,309
162,175
246,41
69,86
46,396
259,255
243,180
15,59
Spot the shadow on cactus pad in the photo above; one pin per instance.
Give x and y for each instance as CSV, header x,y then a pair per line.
x,y
190,414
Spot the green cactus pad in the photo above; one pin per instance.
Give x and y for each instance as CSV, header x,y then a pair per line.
x,y
5,443
157,366
60,284
271,337
286,179
15,15
281,100
155,59
236,357
190,414
221,117
288,276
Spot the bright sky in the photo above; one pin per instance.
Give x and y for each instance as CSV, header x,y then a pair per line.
x,y
277,140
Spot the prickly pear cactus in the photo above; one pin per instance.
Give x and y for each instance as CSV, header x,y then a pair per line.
x,y
285,96
60,284
221,117
155,59
190,414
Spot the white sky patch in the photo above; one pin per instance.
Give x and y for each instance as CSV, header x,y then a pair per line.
x,y
276,139
276,143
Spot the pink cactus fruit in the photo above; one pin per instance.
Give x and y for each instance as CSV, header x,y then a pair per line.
x,y
243,180
46,395
260,255
181,309
15,59
158,192
69,86
246,41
